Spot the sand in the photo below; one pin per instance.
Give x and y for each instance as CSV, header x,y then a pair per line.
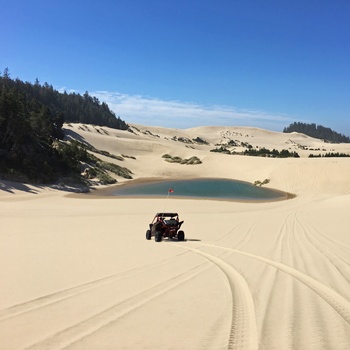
x,y
77,272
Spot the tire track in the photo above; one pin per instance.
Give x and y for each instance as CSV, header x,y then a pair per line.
x,y
243,332
85,328
284,238
228,233
248,235
343,246
331,269
248,232
340,264
64,294
335,300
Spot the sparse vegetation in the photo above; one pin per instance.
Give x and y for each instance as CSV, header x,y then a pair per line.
x,y
131,157
182,139
147,132
259,152
200,141
175,159
229,143
264,152
95,167
115,169
166,156
190,161
221,149
261,183
102,177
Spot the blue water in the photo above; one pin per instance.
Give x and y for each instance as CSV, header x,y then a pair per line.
x,y
203,188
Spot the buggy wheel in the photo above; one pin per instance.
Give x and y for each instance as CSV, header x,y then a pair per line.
x,y
148,234
158,236
181,236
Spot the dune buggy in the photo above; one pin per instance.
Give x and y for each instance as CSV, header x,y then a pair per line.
x,y
165,225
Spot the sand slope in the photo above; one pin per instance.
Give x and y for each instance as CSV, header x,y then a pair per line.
x,y
77,272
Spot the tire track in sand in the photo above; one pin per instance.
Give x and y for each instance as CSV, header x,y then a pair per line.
x,y
243,332
64,294
71,335
335,300
329,241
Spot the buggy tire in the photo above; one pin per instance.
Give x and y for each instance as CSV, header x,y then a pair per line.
x,y
148,234
158,236
181,236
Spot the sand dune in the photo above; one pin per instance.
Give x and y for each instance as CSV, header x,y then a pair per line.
x,y
77,272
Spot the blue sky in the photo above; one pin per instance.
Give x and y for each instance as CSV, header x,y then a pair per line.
x,y
184,63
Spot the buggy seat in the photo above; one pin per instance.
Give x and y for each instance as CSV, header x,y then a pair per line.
x,y
171,222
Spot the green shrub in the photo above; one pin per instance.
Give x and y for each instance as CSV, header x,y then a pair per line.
x,y
105,179
193,160
259,183
115,169
125,156
166,156
173,160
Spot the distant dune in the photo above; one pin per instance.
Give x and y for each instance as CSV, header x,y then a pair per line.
x,y
77,272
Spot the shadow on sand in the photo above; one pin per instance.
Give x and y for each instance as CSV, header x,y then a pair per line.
x,y
174,240
10,187
72,135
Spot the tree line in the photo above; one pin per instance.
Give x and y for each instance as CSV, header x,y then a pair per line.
x,y
317,131
75,108
329,155
31,121
261,152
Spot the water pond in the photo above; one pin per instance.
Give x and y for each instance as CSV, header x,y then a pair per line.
x,y
199,188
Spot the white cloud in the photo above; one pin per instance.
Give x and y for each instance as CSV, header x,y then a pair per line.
x,y
153,111
68,91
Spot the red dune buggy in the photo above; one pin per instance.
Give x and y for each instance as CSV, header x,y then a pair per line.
x,y
165,225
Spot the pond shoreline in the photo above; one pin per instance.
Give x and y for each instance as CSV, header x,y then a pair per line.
x,y
109,192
